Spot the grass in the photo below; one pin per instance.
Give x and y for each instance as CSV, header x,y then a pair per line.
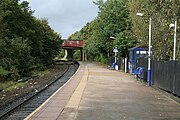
x,y
37,73
3,71
10,85
14,86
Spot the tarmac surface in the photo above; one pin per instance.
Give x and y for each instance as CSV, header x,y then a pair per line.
x,y
97,93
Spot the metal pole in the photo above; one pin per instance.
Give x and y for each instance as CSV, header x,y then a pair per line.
x,y
125,65
149,55
115,60
175,29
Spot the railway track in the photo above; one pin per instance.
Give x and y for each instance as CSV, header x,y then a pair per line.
x,y
28,104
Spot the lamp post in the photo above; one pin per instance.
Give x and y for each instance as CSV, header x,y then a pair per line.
x,y
112,37
175,29
115,50
149,51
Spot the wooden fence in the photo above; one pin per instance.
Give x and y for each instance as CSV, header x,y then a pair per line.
x,y
164,74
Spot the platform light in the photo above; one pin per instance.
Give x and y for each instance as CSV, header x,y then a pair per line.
x,y
149,51
139,14
175,29
112,37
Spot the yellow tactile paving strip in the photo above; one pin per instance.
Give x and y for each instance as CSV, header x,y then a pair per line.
x,y
73,103
52,108
76,97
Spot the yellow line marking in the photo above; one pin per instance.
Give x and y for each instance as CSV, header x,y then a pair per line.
x,y
29,116
76,97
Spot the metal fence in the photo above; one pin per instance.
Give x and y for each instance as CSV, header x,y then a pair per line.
x,y
164,74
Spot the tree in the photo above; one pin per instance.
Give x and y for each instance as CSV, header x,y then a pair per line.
x,y
75,36
162,12
15,54
112,20
124,41
25,41
51,42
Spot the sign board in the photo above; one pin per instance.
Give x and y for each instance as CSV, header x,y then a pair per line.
x,y
115,50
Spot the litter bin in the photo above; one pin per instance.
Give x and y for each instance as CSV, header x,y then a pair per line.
x,y
116,67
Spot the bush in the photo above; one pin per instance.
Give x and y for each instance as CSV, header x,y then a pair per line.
x,y
15,54
77,55
101,59
61,53
3,73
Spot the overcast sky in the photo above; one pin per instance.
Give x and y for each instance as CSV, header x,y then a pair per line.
x,y
65,16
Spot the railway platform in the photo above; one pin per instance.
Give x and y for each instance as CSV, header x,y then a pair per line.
x,y
97,93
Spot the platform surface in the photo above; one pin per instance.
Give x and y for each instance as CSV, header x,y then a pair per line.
x,y
97,93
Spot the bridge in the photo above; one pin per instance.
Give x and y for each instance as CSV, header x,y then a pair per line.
x,y
70,46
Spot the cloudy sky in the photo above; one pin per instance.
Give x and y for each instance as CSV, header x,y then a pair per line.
x,y
65,16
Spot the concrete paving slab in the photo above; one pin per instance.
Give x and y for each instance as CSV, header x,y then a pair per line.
x,y
114,95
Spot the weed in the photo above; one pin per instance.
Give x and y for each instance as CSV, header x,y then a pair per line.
x,y
37,73
10,85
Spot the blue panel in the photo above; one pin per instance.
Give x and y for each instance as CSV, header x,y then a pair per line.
x,y
133,55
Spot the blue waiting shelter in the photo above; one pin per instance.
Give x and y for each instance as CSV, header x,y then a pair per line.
x,y
134,54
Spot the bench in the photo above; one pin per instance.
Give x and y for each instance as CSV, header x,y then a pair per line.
x,y
138,72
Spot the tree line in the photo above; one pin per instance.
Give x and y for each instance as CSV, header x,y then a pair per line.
x,y
117,25
25,41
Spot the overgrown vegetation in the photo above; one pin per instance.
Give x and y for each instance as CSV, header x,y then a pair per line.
x,y
163,13
39,73
77,55
117,18
112,21
10,85
25,41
